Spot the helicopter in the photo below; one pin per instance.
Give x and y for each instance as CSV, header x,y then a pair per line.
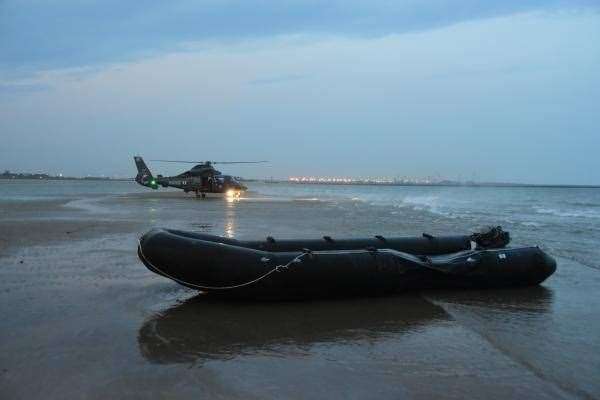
x,y
201,179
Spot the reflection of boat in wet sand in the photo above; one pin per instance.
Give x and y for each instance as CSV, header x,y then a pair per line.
x,y
201,328
537,299
205,329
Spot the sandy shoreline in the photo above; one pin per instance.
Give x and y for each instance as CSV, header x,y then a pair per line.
x,y
46,222
83,318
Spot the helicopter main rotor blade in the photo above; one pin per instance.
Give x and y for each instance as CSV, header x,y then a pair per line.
x,y
211,162
238,162
177,161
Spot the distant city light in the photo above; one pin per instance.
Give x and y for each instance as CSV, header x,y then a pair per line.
x,y
372,180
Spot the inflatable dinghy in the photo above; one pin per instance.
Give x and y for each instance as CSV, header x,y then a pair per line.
x,y
291,269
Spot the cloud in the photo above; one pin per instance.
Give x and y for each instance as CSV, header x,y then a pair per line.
x,y
512,98
16,88
278,79
38,35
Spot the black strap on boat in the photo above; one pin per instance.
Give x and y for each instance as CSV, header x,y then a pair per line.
x,y
270,239
428,236
379,237
328,239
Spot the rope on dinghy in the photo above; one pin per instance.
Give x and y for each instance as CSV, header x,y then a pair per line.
x,y
277,268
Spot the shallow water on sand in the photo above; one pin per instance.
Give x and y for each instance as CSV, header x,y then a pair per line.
x,y
83,318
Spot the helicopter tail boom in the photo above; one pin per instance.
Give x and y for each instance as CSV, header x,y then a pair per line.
x,y
144,176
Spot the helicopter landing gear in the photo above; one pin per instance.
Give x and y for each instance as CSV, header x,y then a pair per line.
x,y
200,194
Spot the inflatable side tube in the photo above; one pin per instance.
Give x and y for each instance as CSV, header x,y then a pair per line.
x,y
241,272
430,245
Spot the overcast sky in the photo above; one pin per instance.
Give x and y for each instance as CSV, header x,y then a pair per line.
x,y
497,90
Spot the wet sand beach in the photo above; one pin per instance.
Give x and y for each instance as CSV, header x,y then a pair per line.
x,y
83,318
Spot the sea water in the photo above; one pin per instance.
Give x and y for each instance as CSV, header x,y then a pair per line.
x,y
563,220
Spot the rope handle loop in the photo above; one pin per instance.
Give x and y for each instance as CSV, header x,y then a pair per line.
x,y
278,268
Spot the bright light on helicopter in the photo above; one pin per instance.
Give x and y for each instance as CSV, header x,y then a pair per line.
x,y
232,195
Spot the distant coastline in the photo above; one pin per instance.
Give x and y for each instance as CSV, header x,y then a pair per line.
x,y
444,183
44,176
7,175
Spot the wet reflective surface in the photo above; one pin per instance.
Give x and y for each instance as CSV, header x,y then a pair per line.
x,y
83,318
204,329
